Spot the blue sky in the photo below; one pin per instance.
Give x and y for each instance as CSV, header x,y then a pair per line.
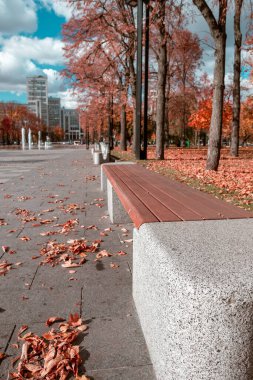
x,y
30,44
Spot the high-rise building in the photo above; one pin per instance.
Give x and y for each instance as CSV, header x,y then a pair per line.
x,y
37,96
70,124
54,112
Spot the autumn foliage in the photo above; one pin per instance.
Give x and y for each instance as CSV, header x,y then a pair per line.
x,y
13,117
201,118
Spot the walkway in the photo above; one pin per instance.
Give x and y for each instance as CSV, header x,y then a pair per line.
x,y
56,187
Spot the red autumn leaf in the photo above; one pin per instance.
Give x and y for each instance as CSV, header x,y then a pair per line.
x,y
25,238
52,320
114,266
2,356
121,253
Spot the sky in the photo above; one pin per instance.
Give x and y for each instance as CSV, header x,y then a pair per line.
x,y
30,44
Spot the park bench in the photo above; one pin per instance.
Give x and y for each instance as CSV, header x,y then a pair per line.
x,y
192,274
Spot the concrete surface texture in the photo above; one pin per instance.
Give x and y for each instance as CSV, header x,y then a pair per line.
x,y
193,290
117,212
101,291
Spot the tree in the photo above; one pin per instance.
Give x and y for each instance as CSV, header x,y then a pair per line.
x,y
218,32
201,118
237,73
100,49
187,56
161,80
246,120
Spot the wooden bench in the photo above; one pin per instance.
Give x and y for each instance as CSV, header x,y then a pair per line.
x,y
148,197
192,274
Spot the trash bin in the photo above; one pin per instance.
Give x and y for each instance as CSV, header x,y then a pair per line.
x,y
97,158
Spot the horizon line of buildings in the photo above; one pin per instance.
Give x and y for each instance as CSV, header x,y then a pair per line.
x,y
49,109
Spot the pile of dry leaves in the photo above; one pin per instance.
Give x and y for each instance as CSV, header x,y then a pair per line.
x,y
52,356
70,254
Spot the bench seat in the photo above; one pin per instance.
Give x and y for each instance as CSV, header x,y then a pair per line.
x,y
148,197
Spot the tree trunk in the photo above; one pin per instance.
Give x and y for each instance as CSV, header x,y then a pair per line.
x,y
133,89
161,85
234,151
166,115
218,32
123,128
213,154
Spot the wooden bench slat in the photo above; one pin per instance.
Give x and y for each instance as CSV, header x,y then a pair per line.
x,y
135,208
161,211
171,203
204,204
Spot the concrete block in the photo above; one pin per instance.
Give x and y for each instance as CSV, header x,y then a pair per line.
x,y
103,175
193,290
116,211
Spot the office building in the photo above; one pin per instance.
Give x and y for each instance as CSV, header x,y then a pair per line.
x,y
37,96
54,112
71,125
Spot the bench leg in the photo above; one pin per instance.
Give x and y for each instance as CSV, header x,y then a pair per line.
x,y
193,291
116,211
103,179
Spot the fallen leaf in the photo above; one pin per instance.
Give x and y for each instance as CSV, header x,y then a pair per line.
x,y
102,254
2,356
69,264
114,266
5,248
25,238
22,329
52,320
121,253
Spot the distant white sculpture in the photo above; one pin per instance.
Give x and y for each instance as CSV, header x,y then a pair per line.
x,y
23,138
29,139
39,139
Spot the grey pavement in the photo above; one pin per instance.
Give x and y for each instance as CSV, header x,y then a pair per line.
x,y
114,347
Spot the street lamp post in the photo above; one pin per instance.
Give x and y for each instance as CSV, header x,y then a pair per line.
x,y
141,149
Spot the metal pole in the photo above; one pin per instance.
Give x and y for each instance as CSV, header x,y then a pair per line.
x,y
87,137
145,118
139,80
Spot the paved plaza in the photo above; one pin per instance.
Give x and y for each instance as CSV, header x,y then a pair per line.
x,y
57,186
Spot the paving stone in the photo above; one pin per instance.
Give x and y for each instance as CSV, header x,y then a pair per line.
x,y
115,342
40,304
126,373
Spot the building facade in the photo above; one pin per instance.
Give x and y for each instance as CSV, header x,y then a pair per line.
x,y
37,96
71,125
54,112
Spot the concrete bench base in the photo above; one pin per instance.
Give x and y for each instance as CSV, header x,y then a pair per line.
x,y
116,211
193,290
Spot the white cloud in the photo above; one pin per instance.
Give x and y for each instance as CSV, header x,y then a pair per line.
x,y
60,7
17,16
68,98
20,57
44,51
